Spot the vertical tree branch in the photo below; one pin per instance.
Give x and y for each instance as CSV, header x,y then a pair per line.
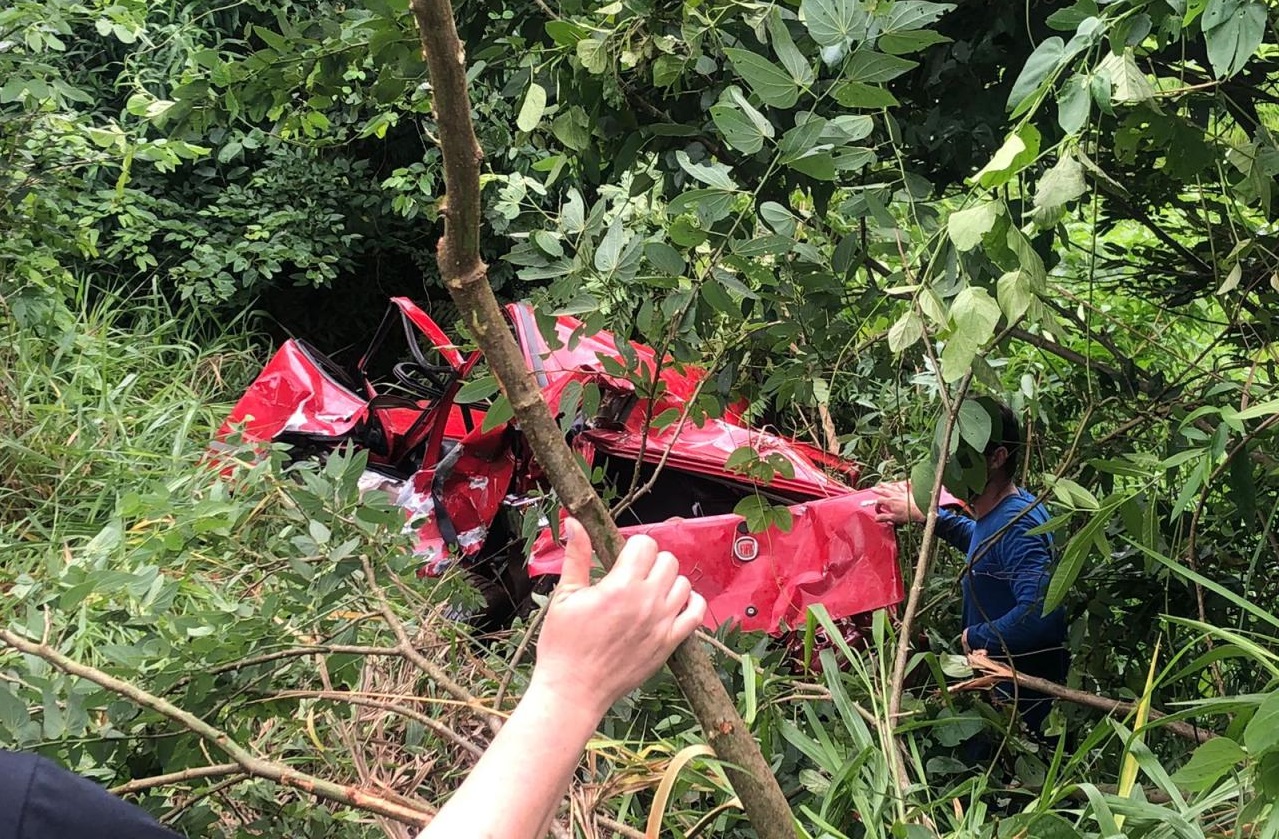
x,y
465,277
928,541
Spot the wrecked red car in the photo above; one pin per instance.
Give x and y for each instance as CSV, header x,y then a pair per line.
x,y
476,501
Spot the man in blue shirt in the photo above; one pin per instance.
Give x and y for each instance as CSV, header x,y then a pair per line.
x,y
1008,569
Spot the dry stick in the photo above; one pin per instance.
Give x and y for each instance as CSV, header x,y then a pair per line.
x,y
247,761
998,672
897,686
465,276
141,784
421,662
350,697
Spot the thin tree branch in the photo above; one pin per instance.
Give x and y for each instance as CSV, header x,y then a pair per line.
x,y
998,672
141,784
253,765
421,662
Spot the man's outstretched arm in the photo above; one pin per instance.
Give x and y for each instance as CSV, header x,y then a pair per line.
x,y
598,643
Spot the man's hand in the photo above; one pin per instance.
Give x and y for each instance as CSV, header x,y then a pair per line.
x,y
599,642
893,503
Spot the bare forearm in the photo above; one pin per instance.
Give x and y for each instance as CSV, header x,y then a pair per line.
x,y
515,787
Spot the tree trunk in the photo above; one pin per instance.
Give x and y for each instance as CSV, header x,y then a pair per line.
x,y
465,276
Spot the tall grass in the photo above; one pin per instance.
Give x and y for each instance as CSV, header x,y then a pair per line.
x,y
124,393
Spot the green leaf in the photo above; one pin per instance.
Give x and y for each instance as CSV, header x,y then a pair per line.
x,y
819,165
572,128
973,317
1233,30
847,128
905,332
711,174
1127,82
593,54
910,40
1036,826
1042,63
1209,763
1262,733
499,412
801,72
905,15
771,84
664,258
862,95
922,476
769,245
565,33
738,130
1015,294
1073,104
866,65
608,256
974,424
1060,185
834,22
480,390
13,712
548,243
667,69
967,227
1018,151
532,109
710,205
1071,563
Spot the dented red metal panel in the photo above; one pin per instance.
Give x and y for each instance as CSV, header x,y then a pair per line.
x,y
438,338
835,554
580,353
293,394
705,449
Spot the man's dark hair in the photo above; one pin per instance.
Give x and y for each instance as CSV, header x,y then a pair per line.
x,y
1005,431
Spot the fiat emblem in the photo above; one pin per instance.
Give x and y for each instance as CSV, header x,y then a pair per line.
x,y
745,548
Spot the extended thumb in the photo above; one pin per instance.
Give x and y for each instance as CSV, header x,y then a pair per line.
x,y
576,571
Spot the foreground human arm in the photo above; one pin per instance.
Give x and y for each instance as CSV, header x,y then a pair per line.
x,y
598,643
894,504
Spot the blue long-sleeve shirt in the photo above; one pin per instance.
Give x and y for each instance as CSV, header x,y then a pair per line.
x,y
1006,582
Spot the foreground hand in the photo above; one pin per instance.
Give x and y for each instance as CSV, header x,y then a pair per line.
x,y
895,504
599,642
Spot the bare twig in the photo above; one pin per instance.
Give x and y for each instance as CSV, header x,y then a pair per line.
x,y
141,784
250,763
928,541
421,662
999,673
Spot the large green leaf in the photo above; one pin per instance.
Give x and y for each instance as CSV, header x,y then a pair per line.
x,y
1262,732
834,22
866,65
973,317
1233,30
1044,61
967,227
862,95
974,423
1210,762
1018,151
771,84
532,109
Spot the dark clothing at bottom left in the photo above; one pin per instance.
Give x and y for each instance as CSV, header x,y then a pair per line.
x,y
41,800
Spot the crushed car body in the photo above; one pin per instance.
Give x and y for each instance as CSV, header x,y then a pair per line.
x,y
466,488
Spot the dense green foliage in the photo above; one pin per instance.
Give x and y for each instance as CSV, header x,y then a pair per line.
x,y
848,209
